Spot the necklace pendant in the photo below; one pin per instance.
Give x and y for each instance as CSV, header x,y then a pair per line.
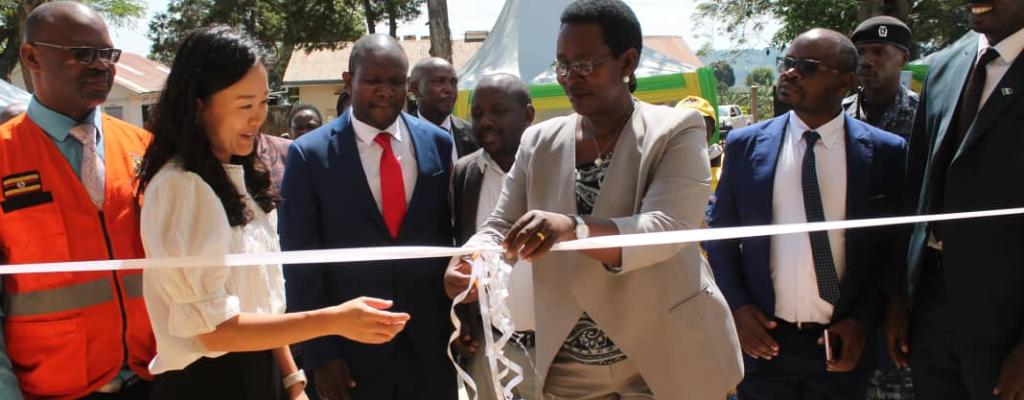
x,y
598,161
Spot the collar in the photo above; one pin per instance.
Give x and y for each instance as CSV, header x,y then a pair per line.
x,y
366,133
446,124
485,162
56,124
831,132
1008,48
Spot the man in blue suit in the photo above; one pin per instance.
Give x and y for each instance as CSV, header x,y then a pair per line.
x,y
373,177
788,292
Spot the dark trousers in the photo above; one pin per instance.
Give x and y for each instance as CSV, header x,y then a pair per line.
x,y
241,376
942,366
408,379
798,372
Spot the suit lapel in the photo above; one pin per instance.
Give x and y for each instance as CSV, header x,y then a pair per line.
x,y
859,156
624,170
351,164
1004,94
959,67
427,162
471,193
764,160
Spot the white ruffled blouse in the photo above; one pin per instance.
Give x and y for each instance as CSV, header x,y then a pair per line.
x,y
182,216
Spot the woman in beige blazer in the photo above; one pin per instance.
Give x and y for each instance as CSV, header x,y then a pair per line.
x,y
633,322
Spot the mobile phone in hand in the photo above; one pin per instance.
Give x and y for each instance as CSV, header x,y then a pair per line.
x,y
832,346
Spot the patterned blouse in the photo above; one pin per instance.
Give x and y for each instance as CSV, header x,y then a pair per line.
x,y
587,344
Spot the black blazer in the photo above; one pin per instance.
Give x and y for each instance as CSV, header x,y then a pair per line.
x,y
468,179
462,133
982,258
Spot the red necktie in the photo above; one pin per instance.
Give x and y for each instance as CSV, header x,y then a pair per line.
x,y
392,188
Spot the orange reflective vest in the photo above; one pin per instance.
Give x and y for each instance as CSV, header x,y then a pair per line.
x,y
69,333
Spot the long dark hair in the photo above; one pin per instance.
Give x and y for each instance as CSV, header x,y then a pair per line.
x,y
208,61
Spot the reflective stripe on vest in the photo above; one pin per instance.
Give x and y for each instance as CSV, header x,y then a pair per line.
x,y
81,295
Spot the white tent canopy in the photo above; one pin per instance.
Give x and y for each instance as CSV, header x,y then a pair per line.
x,y
12,94
522,43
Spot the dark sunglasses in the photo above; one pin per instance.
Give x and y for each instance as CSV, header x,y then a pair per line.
x,y
86,55
805,66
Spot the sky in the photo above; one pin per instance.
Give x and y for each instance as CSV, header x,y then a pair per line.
x,y
657,17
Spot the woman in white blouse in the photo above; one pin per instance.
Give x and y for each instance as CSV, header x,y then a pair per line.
x,y
221,332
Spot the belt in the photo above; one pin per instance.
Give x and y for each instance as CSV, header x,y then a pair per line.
x,y
809,327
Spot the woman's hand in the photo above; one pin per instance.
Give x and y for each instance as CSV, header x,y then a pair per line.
x,y
364,320
535,232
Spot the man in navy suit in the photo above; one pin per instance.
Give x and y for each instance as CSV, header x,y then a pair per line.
x,y
788,291
373,177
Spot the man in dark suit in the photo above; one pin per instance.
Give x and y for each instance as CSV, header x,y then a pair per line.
x,y
964,278
373,177
502,110
435,85
812,164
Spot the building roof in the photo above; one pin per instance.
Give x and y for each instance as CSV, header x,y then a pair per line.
x,y
324,67
674,47
140,74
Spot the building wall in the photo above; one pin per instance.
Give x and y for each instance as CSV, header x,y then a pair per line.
x,y
323,97
121,103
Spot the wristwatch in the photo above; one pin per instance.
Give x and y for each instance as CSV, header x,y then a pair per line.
x,y
582,230
294,378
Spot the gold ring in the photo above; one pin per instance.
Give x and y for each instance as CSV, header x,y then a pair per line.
x,y
541,236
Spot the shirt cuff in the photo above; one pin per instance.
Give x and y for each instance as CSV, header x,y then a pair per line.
x,y
188,320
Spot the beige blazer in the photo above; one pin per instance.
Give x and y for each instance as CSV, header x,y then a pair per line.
x,y
663,309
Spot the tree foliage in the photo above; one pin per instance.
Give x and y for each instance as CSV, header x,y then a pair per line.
x,y
723,73
935,23
280,26
117,13
761,76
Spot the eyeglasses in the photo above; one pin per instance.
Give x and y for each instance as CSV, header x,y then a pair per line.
x,y
86,55
805,66
582,68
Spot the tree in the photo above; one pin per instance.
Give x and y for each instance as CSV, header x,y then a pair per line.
x,y
279,26
935,23
13,13
394,10
440,33
724,73
761,76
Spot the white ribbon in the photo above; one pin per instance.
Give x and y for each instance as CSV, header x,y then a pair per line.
x,y
490,273
417,252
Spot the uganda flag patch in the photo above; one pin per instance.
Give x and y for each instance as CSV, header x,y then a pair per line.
x,y
23,190
22,184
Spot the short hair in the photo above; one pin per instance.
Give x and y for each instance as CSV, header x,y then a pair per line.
x,y
516,88
619,25
45,14
417,70
304,107
848,60
848,57
372,44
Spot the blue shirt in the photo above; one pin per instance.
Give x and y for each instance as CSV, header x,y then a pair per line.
x,y
57,126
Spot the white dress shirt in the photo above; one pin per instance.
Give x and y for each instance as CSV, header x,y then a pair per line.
x,y
370,152
520,299
182,216
792,265
447,126
1009,48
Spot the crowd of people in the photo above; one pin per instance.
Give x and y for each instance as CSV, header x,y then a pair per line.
x,y
929,311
